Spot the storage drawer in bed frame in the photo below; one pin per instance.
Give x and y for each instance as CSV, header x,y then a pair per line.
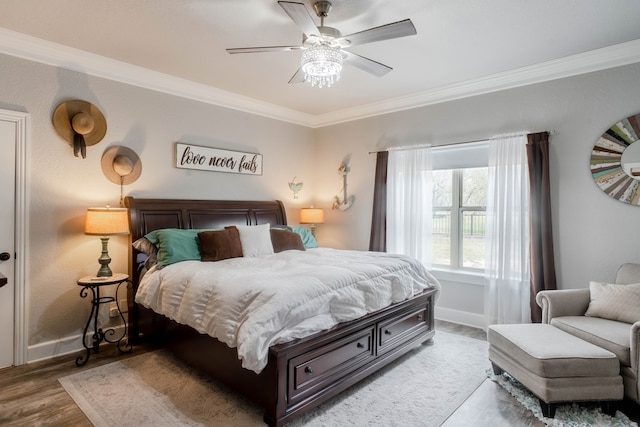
x,y
317,368
320,367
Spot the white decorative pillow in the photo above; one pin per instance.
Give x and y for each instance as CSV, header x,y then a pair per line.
x,y
255,240
615,302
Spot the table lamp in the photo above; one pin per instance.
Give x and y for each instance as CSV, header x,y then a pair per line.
x,y
105,222
312,216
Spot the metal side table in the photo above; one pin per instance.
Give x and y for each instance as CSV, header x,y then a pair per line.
x,y
93,284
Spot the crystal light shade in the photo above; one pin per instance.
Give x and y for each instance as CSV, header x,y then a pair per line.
x,y
321,65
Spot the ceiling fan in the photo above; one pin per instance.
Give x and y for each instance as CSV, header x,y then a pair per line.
x,y
324,48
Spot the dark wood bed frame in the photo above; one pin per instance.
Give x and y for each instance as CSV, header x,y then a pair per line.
x,y
301,374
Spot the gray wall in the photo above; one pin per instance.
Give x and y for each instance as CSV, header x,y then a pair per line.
x,y
62,186
593,233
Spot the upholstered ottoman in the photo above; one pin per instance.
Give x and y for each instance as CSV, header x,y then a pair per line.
x,y
556,366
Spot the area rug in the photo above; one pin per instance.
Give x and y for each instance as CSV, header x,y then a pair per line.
x,y
421,388
569,415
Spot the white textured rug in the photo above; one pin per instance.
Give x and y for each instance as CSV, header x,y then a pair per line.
x,y
567,415
154,389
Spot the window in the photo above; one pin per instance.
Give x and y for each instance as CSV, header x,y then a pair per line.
x,y
460,179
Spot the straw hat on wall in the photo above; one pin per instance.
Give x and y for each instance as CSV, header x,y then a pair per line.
x,y
80,123
121,165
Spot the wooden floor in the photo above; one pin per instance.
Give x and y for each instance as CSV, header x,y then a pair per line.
x,y
30,395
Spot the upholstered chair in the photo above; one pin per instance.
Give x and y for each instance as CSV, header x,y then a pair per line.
x,y
614,328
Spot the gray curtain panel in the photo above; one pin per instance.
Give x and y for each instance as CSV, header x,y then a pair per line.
x,y
543,273
378,237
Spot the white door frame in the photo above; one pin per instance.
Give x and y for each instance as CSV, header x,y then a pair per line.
x,y
22,139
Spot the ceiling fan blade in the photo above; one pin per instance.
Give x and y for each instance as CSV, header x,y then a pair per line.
x,y
298,77
262,49
384,32
366,64
300,15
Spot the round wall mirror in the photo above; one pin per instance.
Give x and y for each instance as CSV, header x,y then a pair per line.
x,y
615,161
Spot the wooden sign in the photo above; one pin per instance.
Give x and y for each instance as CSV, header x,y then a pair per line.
x,y
214,159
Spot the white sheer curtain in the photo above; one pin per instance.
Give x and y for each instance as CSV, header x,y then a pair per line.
x,y
409,203
507,234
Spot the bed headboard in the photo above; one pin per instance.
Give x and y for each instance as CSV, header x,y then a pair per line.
x,y
146,215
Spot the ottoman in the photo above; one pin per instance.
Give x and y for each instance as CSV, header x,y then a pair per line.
x,y
556,366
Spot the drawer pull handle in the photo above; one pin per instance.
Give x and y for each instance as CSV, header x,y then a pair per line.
x,y
360,345
308,370
387,332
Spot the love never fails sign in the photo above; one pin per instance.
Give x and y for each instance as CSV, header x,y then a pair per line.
x,y
216,160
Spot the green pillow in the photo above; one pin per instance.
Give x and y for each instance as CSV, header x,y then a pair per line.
x,y
307,238
175,245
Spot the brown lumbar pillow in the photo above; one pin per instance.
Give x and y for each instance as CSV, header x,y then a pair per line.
x,y
220,244
283,240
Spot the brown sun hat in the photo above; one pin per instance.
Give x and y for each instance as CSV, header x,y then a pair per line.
x,y
82,117
121,165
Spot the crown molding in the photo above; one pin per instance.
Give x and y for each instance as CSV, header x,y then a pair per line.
x,y
50,53
587,62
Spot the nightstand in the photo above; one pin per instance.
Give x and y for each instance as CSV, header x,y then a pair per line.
x,y
93,284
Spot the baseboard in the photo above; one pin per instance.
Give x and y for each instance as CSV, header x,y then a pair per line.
x,y
460,317
60,347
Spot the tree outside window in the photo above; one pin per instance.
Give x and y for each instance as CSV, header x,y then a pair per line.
x,y
459,217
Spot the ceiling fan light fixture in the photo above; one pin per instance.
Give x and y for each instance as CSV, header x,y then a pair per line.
x,y
321,65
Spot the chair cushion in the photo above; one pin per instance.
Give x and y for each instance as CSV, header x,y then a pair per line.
x,y
608,334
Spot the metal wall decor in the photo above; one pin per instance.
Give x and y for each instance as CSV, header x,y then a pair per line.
x,y
295,186
615,161
346,201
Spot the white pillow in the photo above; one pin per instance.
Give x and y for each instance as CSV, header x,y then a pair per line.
x,y
255,240
615,302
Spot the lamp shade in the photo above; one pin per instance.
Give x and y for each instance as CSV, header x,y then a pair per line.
x,y
106,221
311,216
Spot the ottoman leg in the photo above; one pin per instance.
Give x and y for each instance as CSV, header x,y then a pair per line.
x,y
609,407
548,409
497,370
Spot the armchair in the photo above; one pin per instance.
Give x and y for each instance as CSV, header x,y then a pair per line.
x,y
565,309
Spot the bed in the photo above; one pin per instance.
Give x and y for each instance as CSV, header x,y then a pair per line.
x,y
299,374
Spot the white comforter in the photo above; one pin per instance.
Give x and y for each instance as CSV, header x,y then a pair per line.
x,y
253,303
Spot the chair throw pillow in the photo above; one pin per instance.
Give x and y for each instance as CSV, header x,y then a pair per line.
x,y
614,302
220,244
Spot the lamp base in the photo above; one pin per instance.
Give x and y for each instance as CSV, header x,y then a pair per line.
x,y
104,260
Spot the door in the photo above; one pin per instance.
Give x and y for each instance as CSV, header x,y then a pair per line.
x,y
8,133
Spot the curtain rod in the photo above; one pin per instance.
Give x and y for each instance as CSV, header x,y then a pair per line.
x,y
409,147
